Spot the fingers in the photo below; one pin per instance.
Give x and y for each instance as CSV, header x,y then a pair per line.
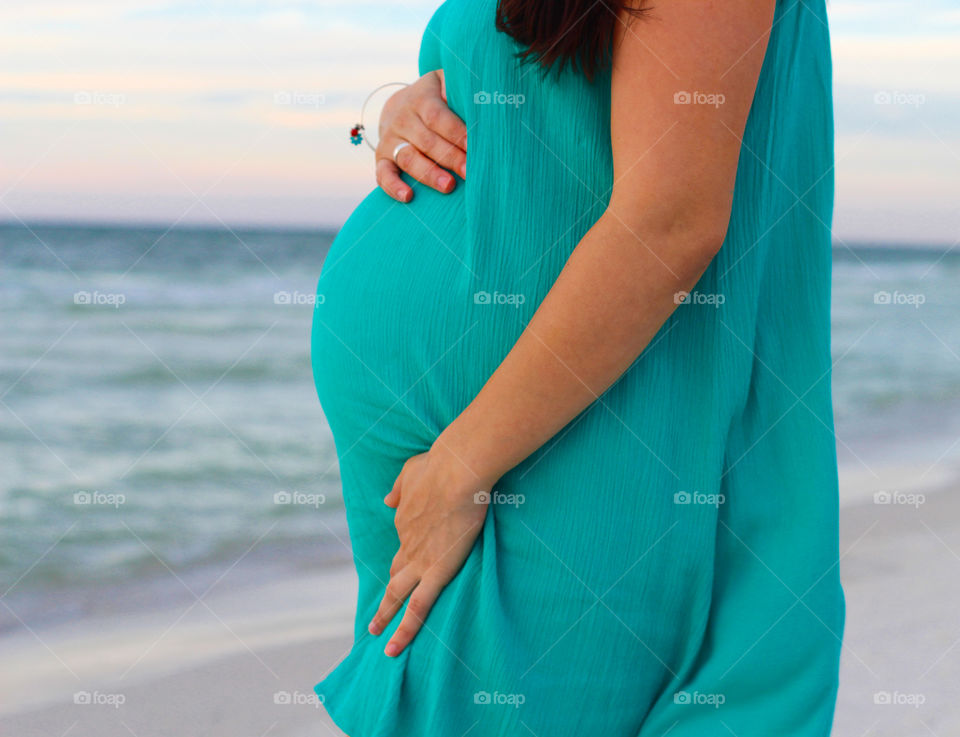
x,y
388,177
451,149
421,167
421,602
397,591
438,133
419,115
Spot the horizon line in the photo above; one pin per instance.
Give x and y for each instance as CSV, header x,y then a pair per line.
x,y
98,224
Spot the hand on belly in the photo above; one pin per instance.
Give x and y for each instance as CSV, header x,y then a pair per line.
x,y
441,507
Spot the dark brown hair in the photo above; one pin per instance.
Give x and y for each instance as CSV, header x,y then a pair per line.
x,y
558,32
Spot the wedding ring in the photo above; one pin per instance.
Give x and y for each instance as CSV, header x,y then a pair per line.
x,y
398,148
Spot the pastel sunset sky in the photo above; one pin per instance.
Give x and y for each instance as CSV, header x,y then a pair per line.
x,y
177,112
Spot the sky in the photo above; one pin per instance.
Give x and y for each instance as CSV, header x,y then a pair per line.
x,y
237,112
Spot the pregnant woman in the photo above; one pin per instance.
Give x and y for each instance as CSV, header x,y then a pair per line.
x,y
581,395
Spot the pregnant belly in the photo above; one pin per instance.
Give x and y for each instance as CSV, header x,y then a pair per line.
x,y
403,321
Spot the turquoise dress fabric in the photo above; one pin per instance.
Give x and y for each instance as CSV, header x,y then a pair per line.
x,y
668,562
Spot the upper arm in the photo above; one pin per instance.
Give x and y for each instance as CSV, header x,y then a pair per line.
x,y
683,79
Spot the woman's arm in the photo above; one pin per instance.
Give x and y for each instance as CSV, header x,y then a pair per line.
x,y
675,164
674,170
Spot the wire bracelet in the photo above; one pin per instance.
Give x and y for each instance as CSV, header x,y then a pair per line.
x,y
357,132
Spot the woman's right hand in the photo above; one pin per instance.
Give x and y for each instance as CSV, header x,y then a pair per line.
x,y
419,115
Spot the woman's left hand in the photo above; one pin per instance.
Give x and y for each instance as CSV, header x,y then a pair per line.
x,y
440,512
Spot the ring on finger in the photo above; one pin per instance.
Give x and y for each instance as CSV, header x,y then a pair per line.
x,y
399,147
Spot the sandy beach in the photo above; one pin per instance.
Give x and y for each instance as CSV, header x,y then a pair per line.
x,y
901,661
243,660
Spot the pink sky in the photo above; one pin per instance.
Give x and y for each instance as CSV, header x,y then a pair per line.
x,y
169,112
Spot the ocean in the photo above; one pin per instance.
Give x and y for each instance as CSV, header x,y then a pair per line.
x,y
159,425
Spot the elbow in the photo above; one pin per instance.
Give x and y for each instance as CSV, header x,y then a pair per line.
x,y
699,229
710,235
695,218
697,243
688,235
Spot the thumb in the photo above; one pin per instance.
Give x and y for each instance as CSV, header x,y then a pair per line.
x,y
393,498
443,85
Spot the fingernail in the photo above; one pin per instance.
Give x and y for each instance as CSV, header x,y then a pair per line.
x,y
391,649
463,170
404,195
445,181
373,628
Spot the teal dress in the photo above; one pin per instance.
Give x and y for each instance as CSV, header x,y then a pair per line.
x,y
668,562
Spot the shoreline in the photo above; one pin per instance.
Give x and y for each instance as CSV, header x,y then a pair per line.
x,y
126,653
245,659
